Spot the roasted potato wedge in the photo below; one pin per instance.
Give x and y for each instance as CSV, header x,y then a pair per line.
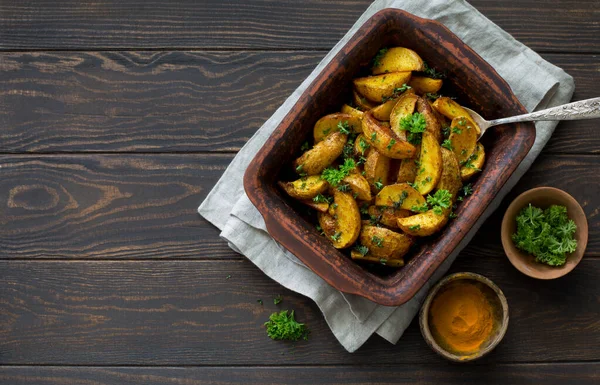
x,y
359,186
322,207
408,170
399,195
361,146
433,125
423,85
380,87
347,220
361,102
355,255
463,139
474,164
430,161
315,160
444,122
404,107
397,59
384,140
424,224
346,109
450,109
383,111
387,216
377,169
330,123
384,243
306,187
327,223
450,179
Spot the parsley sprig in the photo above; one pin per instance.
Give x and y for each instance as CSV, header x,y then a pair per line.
x,y
547,234
415,124
442,199
283,326
335,176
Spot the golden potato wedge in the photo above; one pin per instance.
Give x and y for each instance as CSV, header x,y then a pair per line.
x,y
423,85
444,122
433,125
315,160
408,170
377,169
330,123
430,161
361,146
346,109
384,243
474,164
357,256
380,87
387,216
319,206
358,186
327,223
347,220
306,187
424,224
399,195
361,102
450,179
397,59
384,140
383,111
463,139
450,109
404,107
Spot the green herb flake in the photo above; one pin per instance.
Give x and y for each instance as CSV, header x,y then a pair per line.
x,y
374,137
364,208
283,326
447,144
392,142
334,177
378,184
415,124
378,57
260,301
320,198
336,236
305,146
432,73
363,145
377,241
277,300
383,261
228,276
362,250
414,228
397,204
420,208
344,127
456,130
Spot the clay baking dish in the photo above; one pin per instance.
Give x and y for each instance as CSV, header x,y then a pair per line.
x,y
475,84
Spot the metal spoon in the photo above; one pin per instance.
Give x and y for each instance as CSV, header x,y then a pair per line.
x,y
583,109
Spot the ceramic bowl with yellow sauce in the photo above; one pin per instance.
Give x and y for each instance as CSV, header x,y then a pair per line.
x,y
464,317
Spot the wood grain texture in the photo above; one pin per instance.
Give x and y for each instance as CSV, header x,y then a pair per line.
x,y
182,101
110,206
190,313
143,206
421,374
142,101
557,26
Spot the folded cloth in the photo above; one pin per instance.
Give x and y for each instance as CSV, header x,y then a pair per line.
x,y
352,319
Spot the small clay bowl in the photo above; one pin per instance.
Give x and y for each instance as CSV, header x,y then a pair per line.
x,y
499,312
543,197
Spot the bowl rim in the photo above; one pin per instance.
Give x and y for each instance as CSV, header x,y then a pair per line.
x,y
424,317
514,255
397,289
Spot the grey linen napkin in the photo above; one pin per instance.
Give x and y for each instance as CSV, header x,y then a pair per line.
x,y
352,319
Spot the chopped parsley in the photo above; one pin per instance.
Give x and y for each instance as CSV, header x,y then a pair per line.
x,y
469,162
334,177
362,250
452,215
277,300
374,220
228,276
415,124
283,326
320,198
364,208
426,180
415,227
259,301
344,127
447,144
420,208
392,142
363,145
336,236
432,73
378,184
456,130
373,137
344,187
442,199
397,91
400,200
300,171
378,57
446,131
383,261
467,189
546,234
305,146
377,241
432,96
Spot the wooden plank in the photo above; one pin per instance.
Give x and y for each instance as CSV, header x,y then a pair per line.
x,y
191,313
422,374
181,101
143,206
559,26
142,101
110,206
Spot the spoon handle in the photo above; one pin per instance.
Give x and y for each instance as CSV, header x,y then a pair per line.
x,y
583,109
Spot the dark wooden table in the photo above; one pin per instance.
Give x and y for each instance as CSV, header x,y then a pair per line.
x,y
116,119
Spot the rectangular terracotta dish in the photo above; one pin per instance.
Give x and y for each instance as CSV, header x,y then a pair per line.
x,y
475,84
